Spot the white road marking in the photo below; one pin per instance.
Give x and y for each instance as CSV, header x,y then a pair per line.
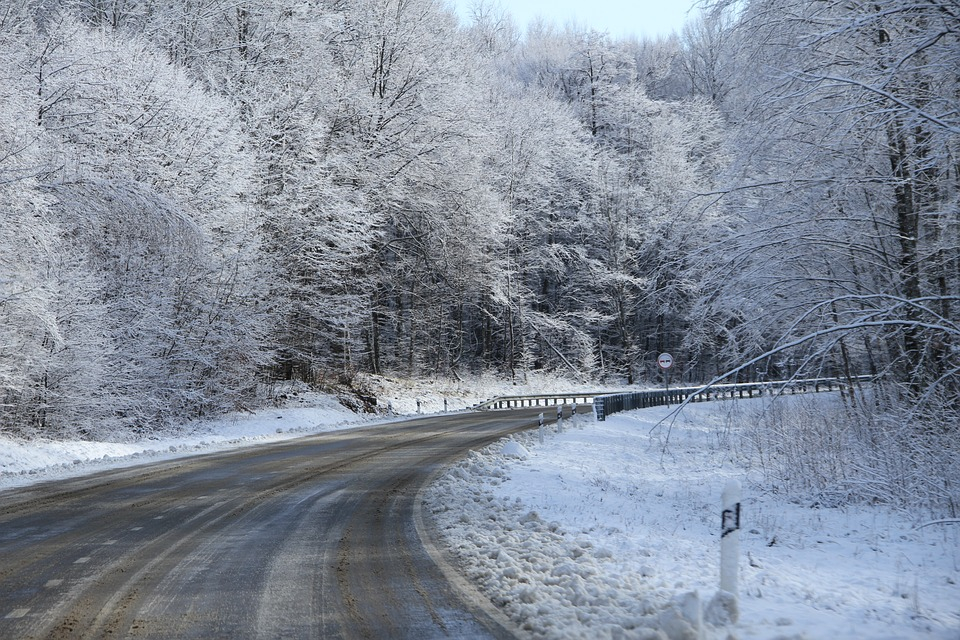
x,y
53,583
136,529
17,613
82,560
109,542
159,518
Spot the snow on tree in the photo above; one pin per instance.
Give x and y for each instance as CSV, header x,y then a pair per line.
x,y
148,280
28,243
848,183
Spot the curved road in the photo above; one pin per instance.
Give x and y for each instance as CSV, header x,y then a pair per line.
x,y
313,538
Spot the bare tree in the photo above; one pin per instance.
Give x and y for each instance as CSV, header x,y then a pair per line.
x,y
849,180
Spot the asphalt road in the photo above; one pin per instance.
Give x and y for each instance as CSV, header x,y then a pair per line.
x,y
318,537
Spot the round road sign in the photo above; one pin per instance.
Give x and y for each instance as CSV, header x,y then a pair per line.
x,y
665,360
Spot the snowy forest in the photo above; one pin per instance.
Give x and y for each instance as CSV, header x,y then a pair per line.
x,y
201,196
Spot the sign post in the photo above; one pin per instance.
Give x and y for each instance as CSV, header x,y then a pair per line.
x,y
665,361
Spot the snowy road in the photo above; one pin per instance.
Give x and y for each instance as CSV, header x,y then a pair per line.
x,y
312,538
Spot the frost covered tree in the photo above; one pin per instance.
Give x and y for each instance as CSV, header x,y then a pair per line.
x,y
636,226
149,277
400,135
543,176
708,57
28,242
850,184
350,187
843,260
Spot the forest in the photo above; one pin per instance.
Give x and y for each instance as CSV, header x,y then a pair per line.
x,y
203,196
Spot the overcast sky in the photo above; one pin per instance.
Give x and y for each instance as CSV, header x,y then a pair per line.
x,y
618,17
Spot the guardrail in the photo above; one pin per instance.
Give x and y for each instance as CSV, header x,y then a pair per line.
x,y
606,402
539,400
604,406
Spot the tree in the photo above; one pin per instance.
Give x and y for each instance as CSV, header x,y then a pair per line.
x,y
155,309
851,182
708,58
28,243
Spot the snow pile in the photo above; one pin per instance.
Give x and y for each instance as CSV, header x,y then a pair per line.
x,y
603,533
513,449
25,462
556,583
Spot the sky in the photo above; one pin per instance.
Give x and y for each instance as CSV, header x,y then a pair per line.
x,y
619,18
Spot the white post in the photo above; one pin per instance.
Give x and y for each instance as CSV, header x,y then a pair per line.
x,y
730,537
541,428
559,418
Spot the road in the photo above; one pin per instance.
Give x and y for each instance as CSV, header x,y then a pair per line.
x,y
318,537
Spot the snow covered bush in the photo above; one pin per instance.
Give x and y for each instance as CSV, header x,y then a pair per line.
x,y
834,452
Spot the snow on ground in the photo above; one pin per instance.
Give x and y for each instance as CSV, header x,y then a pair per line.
x,y
402,396
601,533
24,462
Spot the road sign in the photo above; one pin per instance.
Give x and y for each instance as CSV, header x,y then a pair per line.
x,y
665,361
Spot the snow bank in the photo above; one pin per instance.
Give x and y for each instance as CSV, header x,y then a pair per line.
x,y
513,449
26,462
603,533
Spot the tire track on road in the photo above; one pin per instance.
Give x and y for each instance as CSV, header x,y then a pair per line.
x,y
322,528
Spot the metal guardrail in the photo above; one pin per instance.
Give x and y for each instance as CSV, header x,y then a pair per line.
x,y
604,406
539,400
606,402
